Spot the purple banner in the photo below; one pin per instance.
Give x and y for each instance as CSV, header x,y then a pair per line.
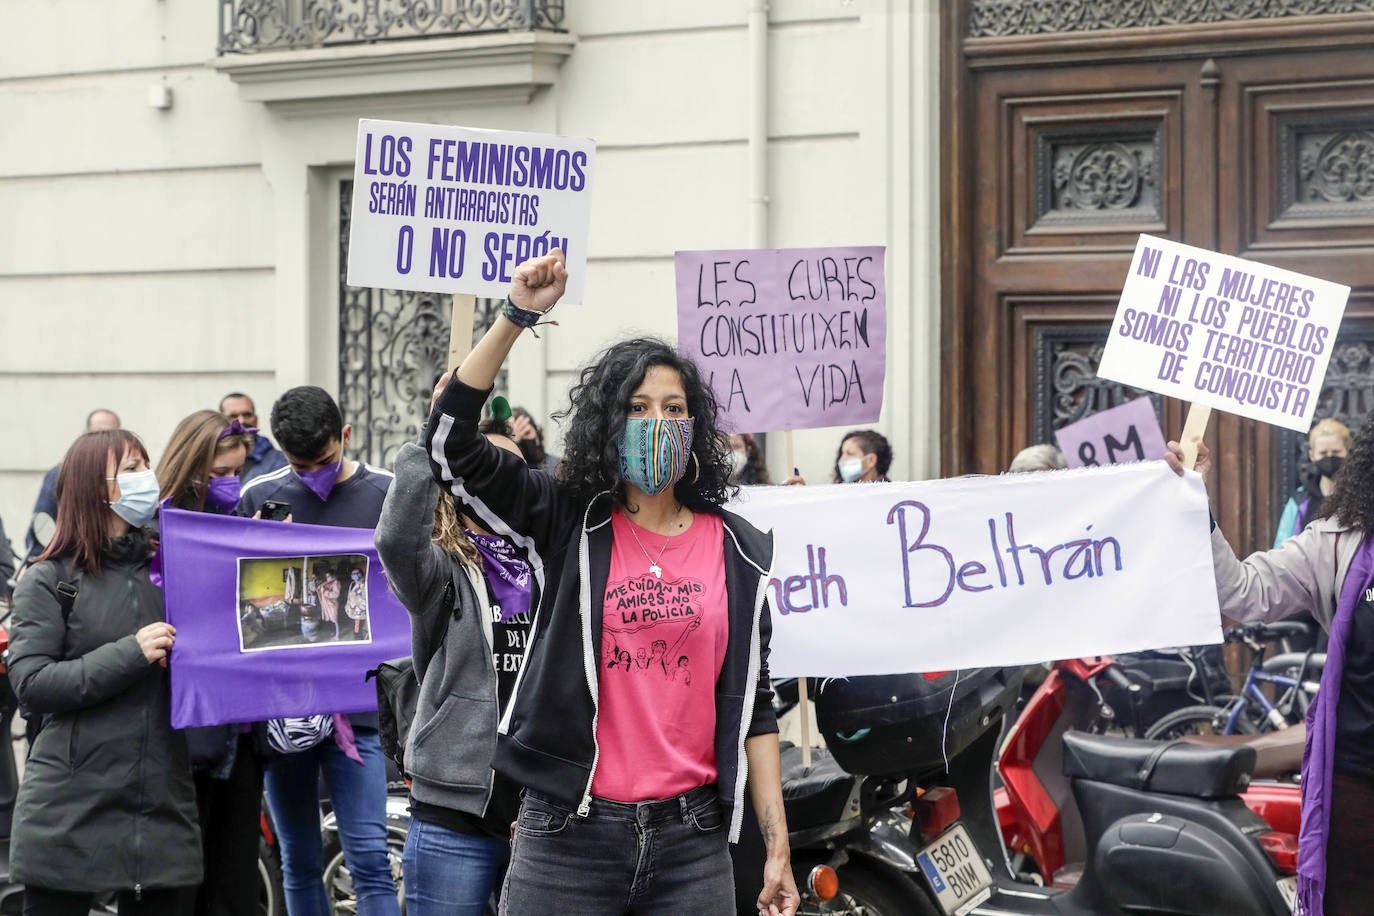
x,y
1128,432
792,338
274,619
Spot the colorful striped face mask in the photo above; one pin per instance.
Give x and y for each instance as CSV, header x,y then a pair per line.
x,y
654,453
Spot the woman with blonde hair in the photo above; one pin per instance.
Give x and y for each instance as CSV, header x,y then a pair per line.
x,y
1328,445
199,471
469,594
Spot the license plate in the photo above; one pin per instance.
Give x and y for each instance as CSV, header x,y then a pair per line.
x,y
1288,889
955,871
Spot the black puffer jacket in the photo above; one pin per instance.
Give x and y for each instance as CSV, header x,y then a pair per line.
x,y
107,801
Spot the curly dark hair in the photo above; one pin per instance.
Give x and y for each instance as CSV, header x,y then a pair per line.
x,y
595,419
873,443
1352,500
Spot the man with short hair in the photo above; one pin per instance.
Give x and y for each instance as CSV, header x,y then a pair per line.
x,y
323,487
46,505
263,457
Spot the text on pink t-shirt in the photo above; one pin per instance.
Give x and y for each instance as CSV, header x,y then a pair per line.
x,y
663,641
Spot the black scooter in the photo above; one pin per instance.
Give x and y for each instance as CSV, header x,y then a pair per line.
x,y
1162,822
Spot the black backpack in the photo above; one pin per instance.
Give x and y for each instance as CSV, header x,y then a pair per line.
x,y
398,689
67,590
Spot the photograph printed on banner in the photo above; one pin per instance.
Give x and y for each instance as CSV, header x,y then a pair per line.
x,y
290,602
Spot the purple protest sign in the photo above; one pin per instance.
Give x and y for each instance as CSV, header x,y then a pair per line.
x,y
792,338
272,619
1127,432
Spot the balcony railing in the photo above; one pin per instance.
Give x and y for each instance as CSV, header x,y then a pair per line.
x,y
246,26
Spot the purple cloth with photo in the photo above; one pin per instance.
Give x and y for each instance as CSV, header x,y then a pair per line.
x,y
506,573
214,682
1319,755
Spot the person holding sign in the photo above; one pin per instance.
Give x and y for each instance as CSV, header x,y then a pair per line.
x,y
107,802
200,471
1329,569
643,706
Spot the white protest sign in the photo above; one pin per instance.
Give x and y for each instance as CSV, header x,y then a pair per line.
x,y
971,572
455,209
1232,334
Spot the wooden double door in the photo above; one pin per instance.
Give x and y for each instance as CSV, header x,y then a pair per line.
x,y
1253,137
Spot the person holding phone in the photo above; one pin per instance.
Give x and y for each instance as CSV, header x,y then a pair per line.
x,y
107,802
634,782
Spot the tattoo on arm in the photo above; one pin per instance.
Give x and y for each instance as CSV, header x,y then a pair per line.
x,y
769,820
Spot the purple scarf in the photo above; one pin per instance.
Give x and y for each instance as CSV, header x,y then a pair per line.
x,y
1320,752
506,573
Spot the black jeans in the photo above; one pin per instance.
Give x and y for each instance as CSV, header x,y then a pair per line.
x,y
176,901
666,856
230,827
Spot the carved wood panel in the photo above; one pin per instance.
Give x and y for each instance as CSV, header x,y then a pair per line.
x,y
1066,135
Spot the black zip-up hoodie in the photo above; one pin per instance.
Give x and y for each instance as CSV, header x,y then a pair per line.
x,y
546,740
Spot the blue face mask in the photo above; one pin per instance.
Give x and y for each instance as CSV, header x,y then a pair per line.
x,y
654,453
138,491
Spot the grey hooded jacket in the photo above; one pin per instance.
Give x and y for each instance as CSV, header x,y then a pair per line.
x,y
453,736
1306,573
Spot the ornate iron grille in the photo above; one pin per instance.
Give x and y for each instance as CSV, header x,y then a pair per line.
x,y
260,25
989,18
1065,387
393,346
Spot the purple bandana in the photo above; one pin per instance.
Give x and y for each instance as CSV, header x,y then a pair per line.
x,y
1318,756
236,428
321,482
506,573
223,494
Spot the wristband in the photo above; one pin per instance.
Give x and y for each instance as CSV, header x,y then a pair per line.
x,y
525,318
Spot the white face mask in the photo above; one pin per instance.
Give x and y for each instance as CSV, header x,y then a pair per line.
x,y
738,461
138,492
851,469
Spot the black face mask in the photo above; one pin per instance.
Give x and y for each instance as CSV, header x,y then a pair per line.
x,y
1329,465
533,452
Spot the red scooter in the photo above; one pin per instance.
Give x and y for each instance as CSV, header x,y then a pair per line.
x,y
1036,808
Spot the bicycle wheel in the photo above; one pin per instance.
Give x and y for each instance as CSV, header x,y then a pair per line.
x,y
1196,720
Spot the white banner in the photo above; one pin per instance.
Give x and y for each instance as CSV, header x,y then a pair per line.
x,y
973,572
1235,335
455,209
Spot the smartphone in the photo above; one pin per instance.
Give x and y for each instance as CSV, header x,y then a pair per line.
x,y
274,511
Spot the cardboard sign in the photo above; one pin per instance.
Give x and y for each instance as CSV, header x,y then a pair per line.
x,y
1232,334
970,572
270,621
790,338
1127,432
455,209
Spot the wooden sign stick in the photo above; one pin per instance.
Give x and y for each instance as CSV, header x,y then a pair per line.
x,y
1193,428
460,331
803,701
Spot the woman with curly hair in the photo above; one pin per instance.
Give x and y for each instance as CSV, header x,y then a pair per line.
x,y
634,781
1327,568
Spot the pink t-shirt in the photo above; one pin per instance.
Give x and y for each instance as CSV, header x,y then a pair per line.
x,y
662,644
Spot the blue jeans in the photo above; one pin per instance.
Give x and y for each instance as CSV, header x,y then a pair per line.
x,y
449,873
667,856
358,794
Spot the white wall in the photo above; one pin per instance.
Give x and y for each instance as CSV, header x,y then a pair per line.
x,y
152,260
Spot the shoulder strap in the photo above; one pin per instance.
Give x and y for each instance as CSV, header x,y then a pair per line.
x,y
450,612
68,587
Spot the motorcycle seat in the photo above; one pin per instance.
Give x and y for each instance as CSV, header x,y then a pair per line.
x,y
817,797
1277,753
1169,767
